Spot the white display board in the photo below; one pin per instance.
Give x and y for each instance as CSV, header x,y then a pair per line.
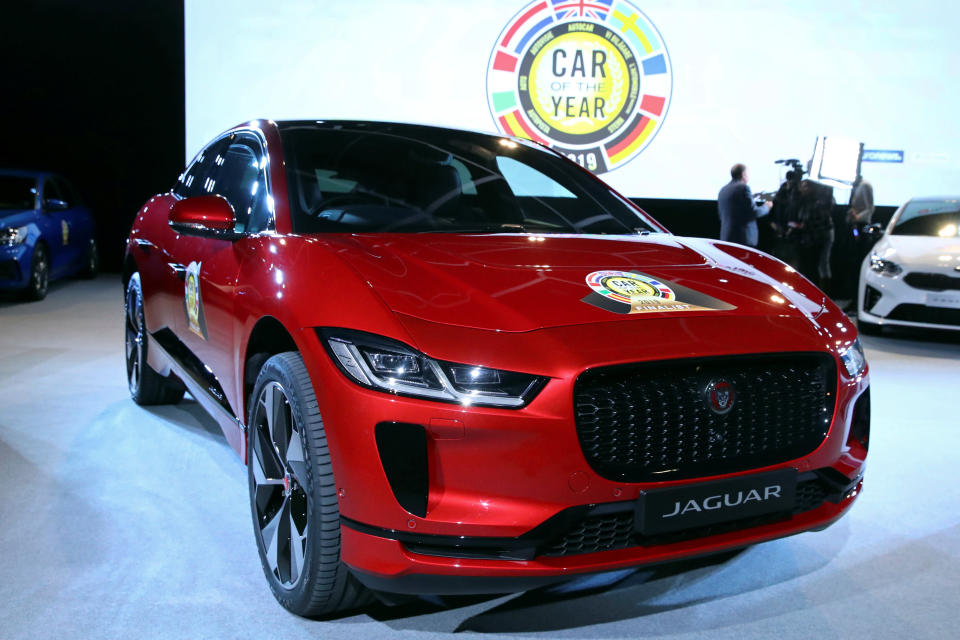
x,y
713,83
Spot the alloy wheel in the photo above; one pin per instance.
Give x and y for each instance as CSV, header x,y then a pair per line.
x,y
134,337
41,274
93,258
281,485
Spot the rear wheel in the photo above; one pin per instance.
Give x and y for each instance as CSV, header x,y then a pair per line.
x,y
39,274
92,265
293,496
147,387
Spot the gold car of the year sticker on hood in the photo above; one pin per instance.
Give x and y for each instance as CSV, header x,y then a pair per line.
x,y
628,292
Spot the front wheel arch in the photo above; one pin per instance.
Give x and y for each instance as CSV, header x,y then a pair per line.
x,y
129,268
267,338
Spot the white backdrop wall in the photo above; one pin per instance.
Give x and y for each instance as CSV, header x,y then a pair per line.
x,y
753,81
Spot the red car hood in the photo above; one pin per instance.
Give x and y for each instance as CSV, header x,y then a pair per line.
x,y
525,282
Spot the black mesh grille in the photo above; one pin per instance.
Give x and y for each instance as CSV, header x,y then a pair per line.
x,y
615,530
600,533
923,313
810,495
932,281
652,421
9,270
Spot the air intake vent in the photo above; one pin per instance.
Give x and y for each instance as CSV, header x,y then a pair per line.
x,y
403,453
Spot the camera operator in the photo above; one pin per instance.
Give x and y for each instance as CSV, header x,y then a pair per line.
x,y
786,209
814,232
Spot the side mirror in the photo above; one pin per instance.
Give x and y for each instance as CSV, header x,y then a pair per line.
x,y
874,231
204,216
54,204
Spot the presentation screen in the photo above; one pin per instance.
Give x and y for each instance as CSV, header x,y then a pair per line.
x,y
658,97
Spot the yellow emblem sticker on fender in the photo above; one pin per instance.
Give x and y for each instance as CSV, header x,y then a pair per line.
x,y
65,230
192,302
630,292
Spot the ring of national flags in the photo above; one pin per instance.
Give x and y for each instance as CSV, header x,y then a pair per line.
x,y
629,25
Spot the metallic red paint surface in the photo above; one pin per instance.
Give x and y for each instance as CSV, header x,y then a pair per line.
x,y
503,301
213,212
393,560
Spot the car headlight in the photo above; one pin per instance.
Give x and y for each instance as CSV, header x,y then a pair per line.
x,y
883,266
387,365
13,235
853,358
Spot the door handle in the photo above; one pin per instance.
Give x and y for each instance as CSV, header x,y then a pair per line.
x,y
178,270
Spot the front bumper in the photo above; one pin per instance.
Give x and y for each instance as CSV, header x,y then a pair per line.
x,y
404,567
890,301
15,266
502,484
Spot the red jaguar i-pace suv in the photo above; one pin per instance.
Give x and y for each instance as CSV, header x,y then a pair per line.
x,y
459,363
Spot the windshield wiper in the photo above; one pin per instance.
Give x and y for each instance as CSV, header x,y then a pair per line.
x,y
489,228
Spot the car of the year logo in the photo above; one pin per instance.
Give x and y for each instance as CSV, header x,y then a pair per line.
x,y
460,363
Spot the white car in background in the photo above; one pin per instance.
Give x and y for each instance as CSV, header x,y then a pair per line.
x,y
911,277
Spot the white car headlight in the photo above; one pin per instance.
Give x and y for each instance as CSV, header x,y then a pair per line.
x,y
853,358
387,365
883,266
13,235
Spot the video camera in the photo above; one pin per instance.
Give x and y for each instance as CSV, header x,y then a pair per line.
x,y
795,174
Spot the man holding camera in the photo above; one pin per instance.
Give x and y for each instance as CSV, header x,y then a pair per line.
x,y
738,213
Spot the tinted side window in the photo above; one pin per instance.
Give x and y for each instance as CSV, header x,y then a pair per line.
x,y
68,192
242,181
51,190
195,181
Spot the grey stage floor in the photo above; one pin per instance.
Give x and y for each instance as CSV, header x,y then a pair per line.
x,y
123,522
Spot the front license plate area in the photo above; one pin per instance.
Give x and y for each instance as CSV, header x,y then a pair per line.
x,y
707,503
948,300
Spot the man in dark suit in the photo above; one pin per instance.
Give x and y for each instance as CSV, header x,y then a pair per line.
x,y
738,214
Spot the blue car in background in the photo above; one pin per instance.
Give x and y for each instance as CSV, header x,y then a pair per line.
x,y
45,232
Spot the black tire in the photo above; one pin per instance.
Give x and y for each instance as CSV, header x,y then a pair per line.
x,y
293,496
147,387
92,266
39,274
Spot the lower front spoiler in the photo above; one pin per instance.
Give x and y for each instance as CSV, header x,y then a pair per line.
x,y
438,585
944,322
446,585
388,563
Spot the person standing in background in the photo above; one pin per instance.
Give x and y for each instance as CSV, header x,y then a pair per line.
x,y
861,204
738,213
814,231
859,243
786,209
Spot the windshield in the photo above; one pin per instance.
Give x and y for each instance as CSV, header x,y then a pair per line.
x,y
929,218
418,179
17,192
